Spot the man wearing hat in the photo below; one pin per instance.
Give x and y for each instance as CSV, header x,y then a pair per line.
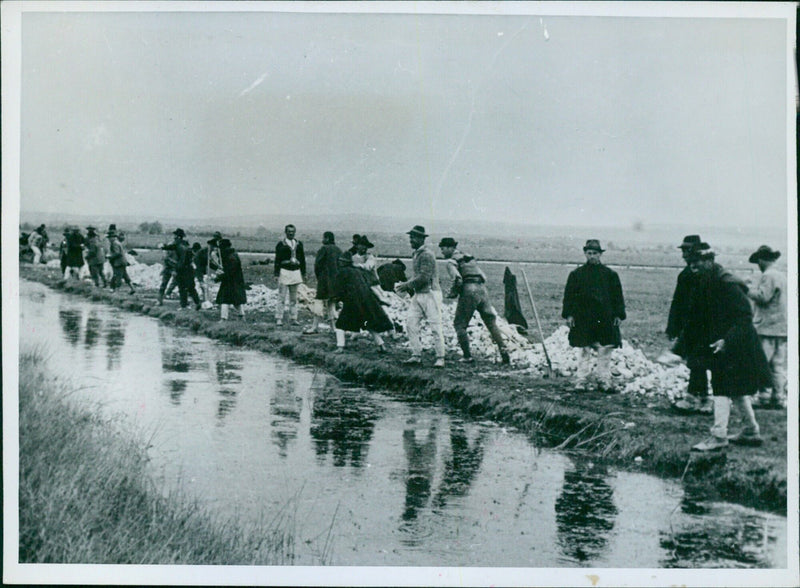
x,y
594,308
769,297
468,286
696,399
118,261
36,241
74,257
290,270
95,256
207,265
184,272
426,298
719,336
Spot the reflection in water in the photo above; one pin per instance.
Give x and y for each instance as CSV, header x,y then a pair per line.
x,y
585,513
115,339
226,403
342,422
228,370
717,541
462,467
93,327
176,356
70,320
284,406
176,389
228,377
421,458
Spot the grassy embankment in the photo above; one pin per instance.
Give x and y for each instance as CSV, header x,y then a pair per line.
x,y
618,429
85,495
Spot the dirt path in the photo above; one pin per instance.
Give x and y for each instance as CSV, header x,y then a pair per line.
x,y
628,431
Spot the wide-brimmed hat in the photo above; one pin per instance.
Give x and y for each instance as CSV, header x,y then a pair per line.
x,y
417,230
179,232
690,241
701,251
593,245
766,253
91,228
364,240
448,242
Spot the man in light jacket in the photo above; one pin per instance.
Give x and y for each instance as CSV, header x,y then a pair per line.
x,y
769,297
426,298
95,256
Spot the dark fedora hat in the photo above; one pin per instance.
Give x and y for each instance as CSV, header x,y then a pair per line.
x,y
179,232
593,245
363,240
417,230
701,251
766,253
112,227
690,241
448,242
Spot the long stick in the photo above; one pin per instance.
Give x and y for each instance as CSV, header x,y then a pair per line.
x,y
538,324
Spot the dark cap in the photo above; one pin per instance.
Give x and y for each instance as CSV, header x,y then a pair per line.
x,y
448,242
417,230
593,245
764,252
690,241
364,240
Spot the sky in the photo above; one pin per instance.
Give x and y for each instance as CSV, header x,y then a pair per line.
x,y
551,120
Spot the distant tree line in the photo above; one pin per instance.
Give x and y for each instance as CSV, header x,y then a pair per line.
x,y
151,228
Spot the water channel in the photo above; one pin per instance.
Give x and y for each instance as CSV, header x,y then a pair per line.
x,y
371,479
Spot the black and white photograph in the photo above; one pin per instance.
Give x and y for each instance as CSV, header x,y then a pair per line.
x,y
400,293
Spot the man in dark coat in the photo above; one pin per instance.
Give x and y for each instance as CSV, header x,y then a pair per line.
x,y
325,270
184,272
513,310
361,308
231,289
719,335
290,270
697,398
95,256
118,261
74,253
593,308
391,273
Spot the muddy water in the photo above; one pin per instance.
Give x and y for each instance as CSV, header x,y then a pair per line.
x,y
367,479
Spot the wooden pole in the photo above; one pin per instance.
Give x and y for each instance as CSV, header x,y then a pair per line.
x,y
538,324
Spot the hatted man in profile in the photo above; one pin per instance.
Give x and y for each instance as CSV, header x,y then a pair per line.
x,y
594,308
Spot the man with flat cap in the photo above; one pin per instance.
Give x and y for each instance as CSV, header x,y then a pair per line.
x,y
696,398
95,256
769,318
426,298
468,285
594,308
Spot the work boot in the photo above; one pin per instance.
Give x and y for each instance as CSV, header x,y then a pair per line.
x,y
747,439
413,360
711,444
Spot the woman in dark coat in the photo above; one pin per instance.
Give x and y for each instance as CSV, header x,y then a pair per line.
x,y
719,336
325,270
74,252
360,307
231,289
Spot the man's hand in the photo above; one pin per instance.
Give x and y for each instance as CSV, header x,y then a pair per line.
x,y
400,287
570,321
718,346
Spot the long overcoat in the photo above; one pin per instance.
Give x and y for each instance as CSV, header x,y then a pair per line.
x,y
360,306
95,252
325,269
720,310
681,299
74,254
593,297
232,288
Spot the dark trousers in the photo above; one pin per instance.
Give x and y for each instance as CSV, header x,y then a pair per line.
x,y
698,382
166,276
96,271
186,288
120,275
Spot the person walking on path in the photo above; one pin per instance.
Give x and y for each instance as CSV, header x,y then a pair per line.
x,y
118,261
594,308
290,270
74,255
426,298
719,335
696,398
184,272
468,285
361,308
95,256
325,269
769,319
231,289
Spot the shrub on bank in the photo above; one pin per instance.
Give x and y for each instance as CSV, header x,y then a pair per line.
x,y
85,495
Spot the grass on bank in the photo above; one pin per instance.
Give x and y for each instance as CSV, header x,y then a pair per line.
x,y
85,495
